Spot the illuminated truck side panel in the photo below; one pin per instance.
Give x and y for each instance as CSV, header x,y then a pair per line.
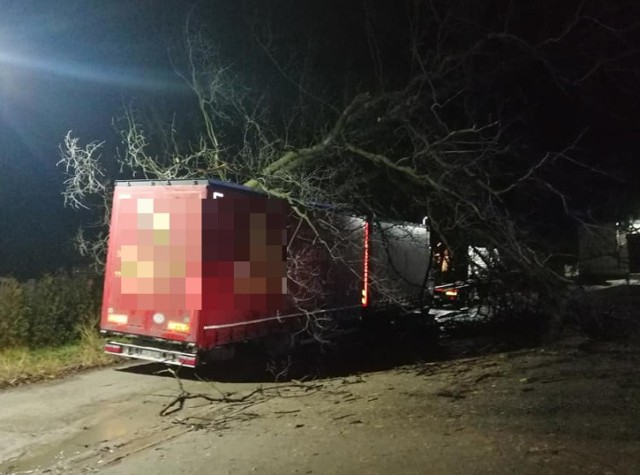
x,y
244,274
266,269
153,283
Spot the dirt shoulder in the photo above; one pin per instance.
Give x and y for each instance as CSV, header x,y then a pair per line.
x,y
573,407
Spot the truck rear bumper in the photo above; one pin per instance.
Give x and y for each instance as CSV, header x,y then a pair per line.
x,y
148,353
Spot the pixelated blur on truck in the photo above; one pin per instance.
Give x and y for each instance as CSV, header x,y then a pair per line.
x,y
195,267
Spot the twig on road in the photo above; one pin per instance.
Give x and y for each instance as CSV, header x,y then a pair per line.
x,y
177,403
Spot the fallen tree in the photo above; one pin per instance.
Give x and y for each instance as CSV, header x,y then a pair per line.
x,y
426,134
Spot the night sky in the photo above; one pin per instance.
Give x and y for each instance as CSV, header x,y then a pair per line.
x,y
73,64
68,65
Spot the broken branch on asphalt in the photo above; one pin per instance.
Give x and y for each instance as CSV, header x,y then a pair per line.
x,y
232,399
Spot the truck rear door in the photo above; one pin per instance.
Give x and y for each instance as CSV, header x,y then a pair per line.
x,y
153,273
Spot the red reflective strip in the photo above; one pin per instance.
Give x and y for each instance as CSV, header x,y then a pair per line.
x,y
113,348
187,360
365,273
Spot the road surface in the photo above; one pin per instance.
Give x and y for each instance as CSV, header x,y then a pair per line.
x,y
565,409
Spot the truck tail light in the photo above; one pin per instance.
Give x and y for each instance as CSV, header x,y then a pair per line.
x,y
188,361
112,348
118,318
453,293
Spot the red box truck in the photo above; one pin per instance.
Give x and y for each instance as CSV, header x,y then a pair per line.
x,y
195,266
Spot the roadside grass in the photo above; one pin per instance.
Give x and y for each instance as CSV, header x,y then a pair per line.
x,y
23,365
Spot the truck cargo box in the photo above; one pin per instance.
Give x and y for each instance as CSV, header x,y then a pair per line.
x,y
197,265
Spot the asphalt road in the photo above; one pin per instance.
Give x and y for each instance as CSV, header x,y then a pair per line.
x,y
74,422
568,409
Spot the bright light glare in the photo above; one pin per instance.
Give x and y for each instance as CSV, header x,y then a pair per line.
x,y
85,72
